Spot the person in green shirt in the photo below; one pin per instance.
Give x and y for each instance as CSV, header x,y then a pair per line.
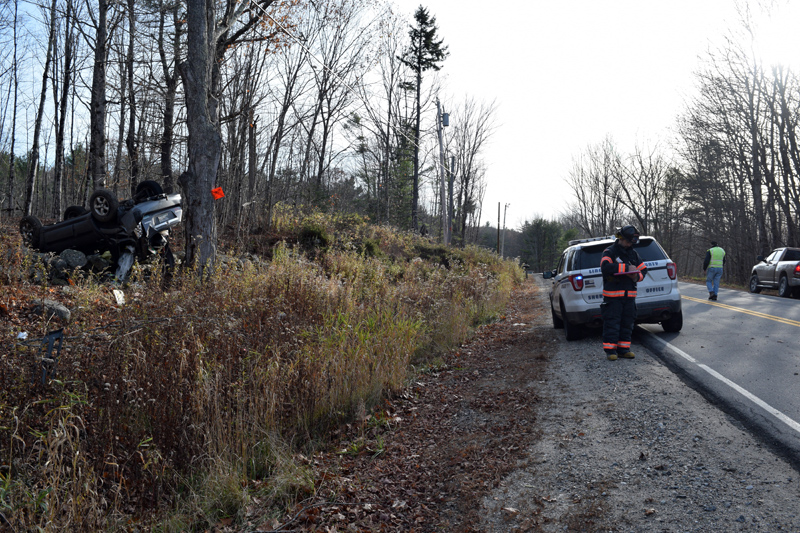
x,y
712,265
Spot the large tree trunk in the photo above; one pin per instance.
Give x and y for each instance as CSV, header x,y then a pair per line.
x,y
97,106
205,142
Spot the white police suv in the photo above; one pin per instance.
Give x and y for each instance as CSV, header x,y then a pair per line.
x,y
577,290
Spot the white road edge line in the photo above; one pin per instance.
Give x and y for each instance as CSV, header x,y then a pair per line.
x,y
747,394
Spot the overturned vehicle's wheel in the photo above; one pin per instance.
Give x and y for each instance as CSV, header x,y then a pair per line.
x,y
74,211
104,205
30,228
148,189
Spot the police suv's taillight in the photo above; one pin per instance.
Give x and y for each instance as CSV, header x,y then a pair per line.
x,y
672,270
577,281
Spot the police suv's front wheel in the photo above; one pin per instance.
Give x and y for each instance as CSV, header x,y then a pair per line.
x,y
557,322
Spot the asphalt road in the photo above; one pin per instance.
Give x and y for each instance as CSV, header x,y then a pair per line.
x,y
743,353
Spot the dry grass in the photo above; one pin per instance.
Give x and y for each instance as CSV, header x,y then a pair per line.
x,y
210,395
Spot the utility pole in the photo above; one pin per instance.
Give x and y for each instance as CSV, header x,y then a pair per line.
x,y
498,228
503,245
451,210
442,120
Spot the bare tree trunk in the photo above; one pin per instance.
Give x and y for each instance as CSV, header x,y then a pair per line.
x,y
130,141
205,142
58,171
97,106
123,107
171,81
33,161
251,155
415,186
11,157
289,96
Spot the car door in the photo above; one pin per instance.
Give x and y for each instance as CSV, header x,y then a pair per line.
x,y
555,294
766,269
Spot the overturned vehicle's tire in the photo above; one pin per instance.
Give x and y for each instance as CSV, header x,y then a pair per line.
x,y
148,189
30,227
74,211
104,205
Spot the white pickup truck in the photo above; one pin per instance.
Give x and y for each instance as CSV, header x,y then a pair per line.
x,y
779,270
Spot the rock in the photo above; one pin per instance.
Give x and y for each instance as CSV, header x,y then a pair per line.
x,y
74,258
51,308
98,263
58,265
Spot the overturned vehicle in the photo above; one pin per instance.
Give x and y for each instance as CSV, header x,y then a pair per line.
x,y
132,229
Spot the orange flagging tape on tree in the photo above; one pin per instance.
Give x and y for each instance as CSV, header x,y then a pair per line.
x,y
217,193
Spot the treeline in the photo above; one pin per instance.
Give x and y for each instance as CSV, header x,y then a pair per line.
x,y
320,105
730,172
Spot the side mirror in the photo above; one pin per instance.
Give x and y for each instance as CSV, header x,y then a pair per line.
x,y
547,274
760,258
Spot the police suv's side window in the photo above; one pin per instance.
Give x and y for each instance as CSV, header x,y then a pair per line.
x,y
561,264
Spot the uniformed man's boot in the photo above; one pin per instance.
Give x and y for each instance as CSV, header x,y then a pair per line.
x,y
627,354
611,356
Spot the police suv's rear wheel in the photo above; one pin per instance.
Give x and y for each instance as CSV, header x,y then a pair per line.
x,y
557,322
754,288
674,324
784,290
572,332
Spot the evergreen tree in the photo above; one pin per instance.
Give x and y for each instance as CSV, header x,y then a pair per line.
x,y
425,52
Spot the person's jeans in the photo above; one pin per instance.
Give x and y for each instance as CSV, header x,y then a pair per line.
x,y
713,275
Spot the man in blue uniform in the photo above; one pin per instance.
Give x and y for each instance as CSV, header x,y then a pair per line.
x,y
622,269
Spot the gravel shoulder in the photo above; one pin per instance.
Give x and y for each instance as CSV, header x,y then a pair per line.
x,y
520,430
627,446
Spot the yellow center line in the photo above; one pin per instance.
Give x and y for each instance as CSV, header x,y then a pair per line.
x,y
745,311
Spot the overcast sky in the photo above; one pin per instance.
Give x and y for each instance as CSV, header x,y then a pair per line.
x,y
567,73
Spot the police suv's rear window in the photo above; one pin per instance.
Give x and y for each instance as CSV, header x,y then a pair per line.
x,y
590,256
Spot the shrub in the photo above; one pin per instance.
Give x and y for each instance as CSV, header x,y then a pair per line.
x,y
181,398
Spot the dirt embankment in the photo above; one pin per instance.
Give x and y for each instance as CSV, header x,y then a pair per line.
x,y
522,431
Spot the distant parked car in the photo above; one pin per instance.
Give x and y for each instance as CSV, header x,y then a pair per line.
x,y
129,229
577,290
779,270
